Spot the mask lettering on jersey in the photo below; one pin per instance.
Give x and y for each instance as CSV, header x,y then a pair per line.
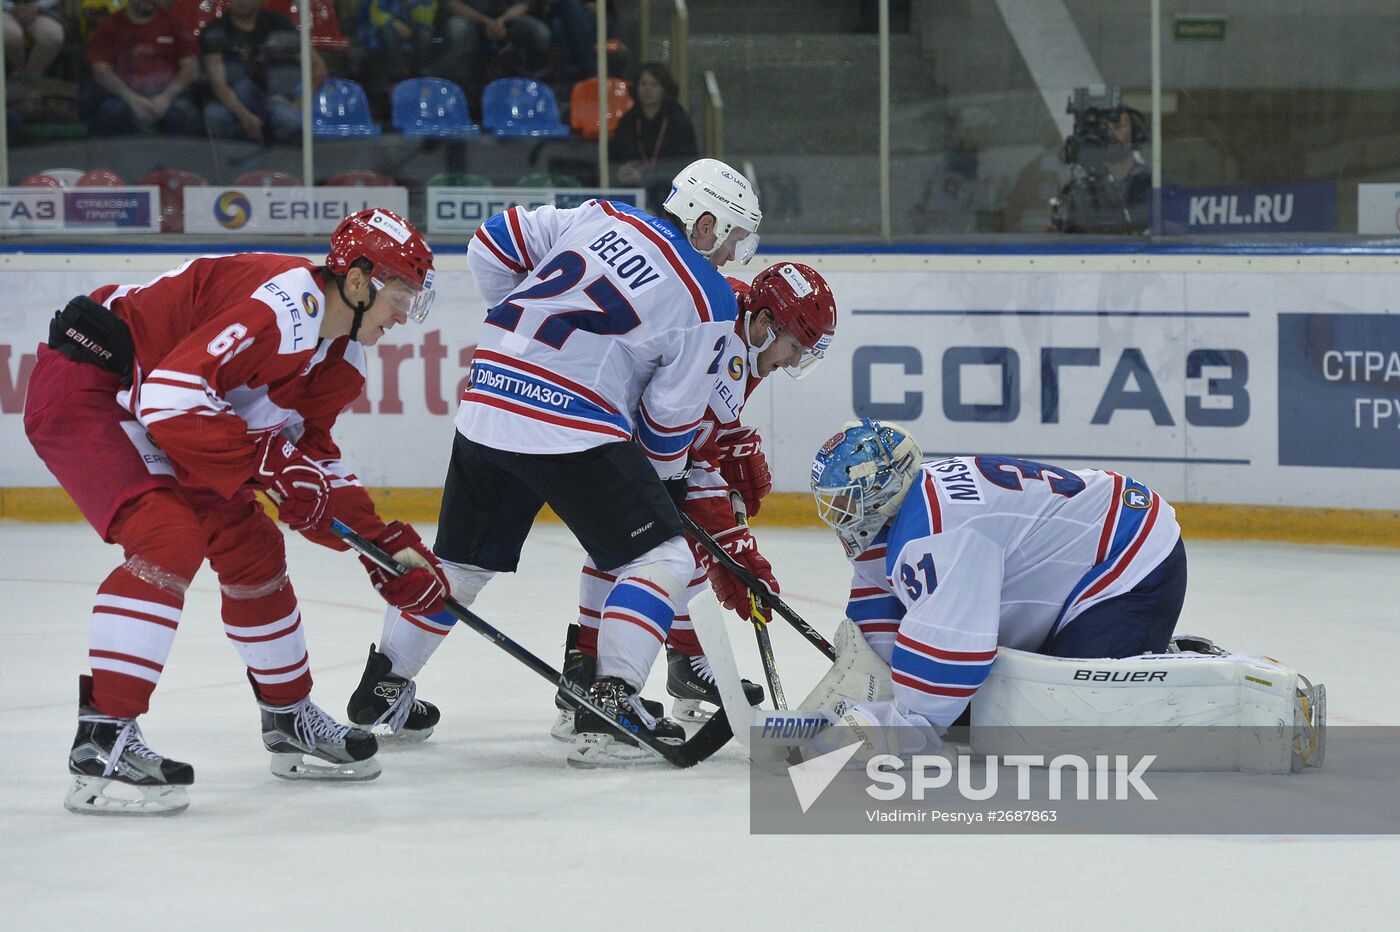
x,y
631,266
958,482
501,382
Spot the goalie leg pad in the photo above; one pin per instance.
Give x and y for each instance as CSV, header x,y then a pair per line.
x,y
1242,712
858,675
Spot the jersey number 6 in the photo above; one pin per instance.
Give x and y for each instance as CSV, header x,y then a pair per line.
x,y
614,315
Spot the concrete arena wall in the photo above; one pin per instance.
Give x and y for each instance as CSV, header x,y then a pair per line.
x,y
1262,392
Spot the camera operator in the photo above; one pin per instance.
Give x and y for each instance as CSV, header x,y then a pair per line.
x,y
1110,186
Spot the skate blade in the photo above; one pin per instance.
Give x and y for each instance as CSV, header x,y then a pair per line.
x,y
563,729
100,796
398,738
692,711
598,752
291,765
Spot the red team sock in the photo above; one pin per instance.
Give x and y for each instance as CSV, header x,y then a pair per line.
x,y
133,627
138,605
265,627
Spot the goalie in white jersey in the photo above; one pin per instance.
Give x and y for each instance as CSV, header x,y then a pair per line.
x,y
955,558
604,324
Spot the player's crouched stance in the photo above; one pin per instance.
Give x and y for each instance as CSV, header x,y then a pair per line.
x,y
160,408
957,558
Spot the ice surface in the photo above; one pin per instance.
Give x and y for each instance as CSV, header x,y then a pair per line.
x,y
485,827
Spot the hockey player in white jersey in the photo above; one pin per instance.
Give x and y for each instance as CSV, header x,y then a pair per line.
x,y
787,320
603,322
955,558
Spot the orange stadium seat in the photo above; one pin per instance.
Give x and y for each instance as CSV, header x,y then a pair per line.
x,y
172,183
583,106
100,178
40,180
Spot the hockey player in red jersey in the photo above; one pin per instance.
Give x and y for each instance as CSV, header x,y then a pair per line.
x,y
787,319
160,408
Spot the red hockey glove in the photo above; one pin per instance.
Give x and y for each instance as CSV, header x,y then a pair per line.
x,y
298,485
421,590
732,592
713,515
744,467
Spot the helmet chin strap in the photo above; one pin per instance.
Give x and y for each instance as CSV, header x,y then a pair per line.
x,y
358,308
755,350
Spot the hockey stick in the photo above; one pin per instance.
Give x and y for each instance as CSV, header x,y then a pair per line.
x,y
760,624
749,579
710,738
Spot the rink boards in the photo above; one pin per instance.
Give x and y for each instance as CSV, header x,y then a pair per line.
x,y
1270,381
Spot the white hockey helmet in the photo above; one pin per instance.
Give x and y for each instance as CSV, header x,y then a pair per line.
x,y
708,186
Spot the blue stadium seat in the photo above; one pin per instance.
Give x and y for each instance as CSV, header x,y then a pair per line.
x,y
341,111
521,107
433,107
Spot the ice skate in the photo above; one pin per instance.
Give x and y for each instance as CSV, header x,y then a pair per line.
x,y
115,772
307,744
579,669
387,705
602,745
691,682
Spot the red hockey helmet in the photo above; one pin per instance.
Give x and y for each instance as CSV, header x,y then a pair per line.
x,y
802,305
394,249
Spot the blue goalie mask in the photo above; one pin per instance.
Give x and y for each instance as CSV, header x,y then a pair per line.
x,y
860,478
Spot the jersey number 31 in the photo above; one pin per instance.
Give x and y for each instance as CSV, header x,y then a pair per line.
x,y
612,316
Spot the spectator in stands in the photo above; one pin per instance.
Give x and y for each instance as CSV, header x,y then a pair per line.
x,y
191,16
252,58
142,66
655,139
574,24
400,33
476,26
38,21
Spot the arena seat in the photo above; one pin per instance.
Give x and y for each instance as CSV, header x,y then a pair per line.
x,y
360,179
459,180
434,108
40,180
99,178
583,106
519,107
267,178
66,177
548,180
341,111
172,183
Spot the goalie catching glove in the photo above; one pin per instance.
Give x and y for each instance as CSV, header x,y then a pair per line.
x,y
714,516
422,589
295,482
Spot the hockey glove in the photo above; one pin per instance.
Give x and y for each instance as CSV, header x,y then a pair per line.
x,y
733,592
296,483
421,590
744,467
